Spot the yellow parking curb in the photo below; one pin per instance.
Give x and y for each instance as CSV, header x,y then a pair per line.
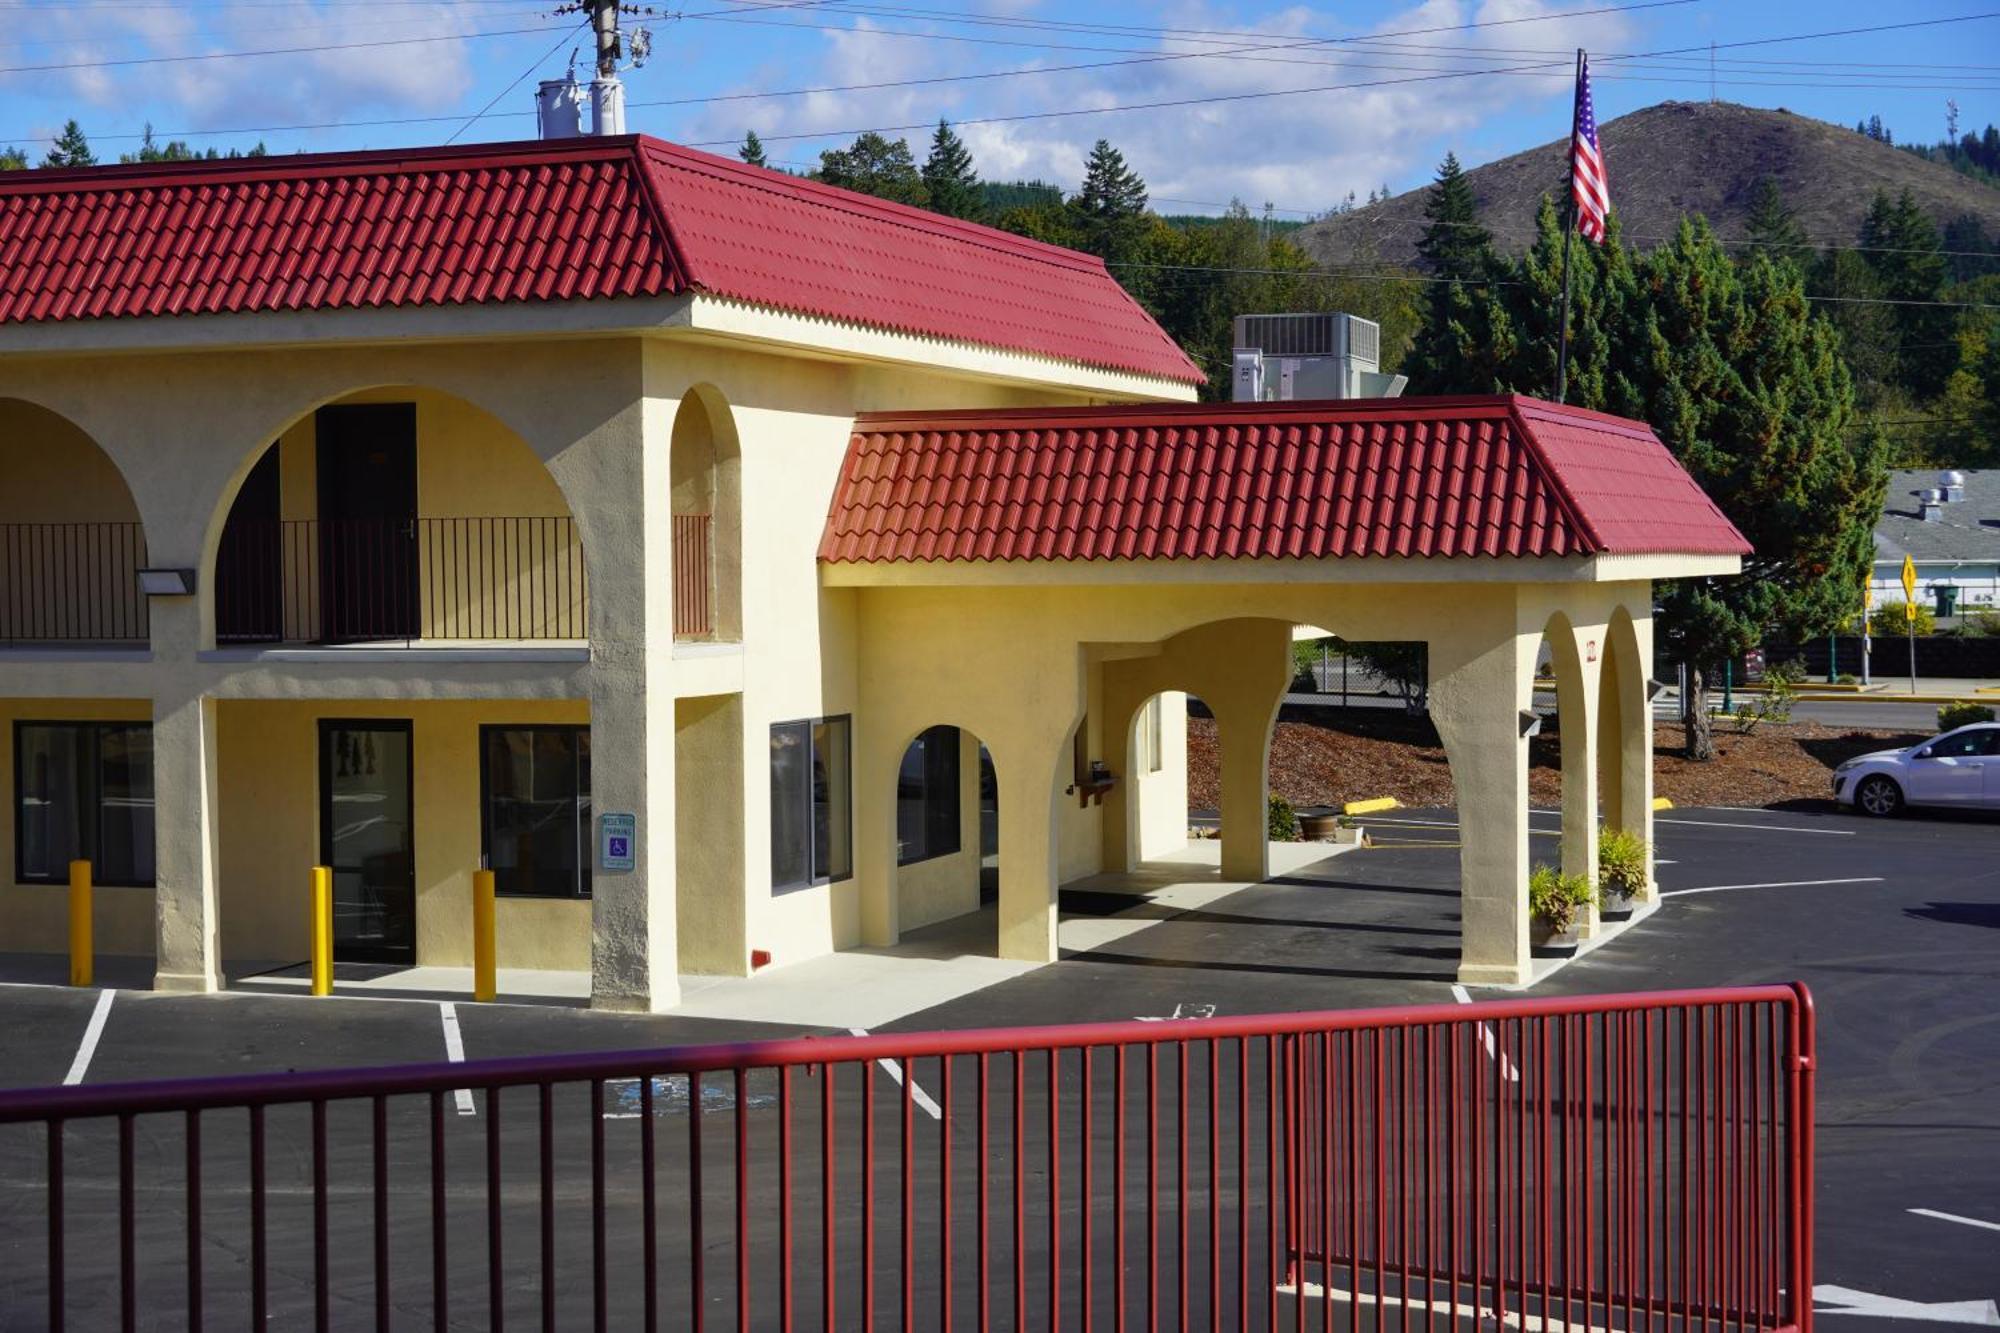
x,y
1370,807
1817,697
1662,803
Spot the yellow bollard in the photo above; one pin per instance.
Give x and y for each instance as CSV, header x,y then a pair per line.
x,y
485,981
322,930
81,955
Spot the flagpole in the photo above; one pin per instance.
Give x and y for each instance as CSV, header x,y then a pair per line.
x,y
1569,237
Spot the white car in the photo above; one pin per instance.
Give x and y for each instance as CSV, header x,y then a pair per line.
x,y
1960,769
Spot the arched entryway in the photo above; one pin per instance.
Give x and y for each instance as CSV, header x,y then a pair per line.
x,y
706,467
401,515
947,834
71,540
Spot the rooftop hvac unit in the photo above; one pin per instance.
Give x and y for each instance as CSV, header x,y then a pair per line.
x,y
1282,358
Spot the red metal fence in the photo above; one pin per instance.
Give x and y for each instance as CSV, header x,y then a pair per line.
x,y
1616,1162
69,582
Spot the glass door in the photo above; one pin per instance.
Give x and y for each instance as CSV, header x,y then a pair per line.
x,y
366,835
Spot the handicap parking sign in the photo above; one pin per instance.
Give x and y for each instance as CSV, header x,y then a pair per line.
x,y
616,834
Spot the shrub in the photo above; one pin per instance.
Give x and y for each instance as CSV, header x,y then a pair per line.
x,y
1284,821
1621,862
1553,897
1961,714
1983,623
1846,678
1888,619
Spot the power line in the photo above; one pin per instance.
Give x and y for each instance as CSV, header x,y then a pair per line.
x,y
534,65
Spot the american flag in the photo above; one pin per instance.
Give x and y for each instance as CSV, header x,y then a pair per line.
x,y
1587,181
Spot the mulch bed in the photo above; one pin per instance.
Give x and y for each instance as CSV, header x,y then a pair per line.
x,y
1325,757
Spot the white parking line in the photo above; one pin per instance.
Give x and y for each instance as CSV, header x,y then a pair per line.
x,y
1760,828
1513,1075
454,1051
1954,1217
895,1071
91,1032
1778,884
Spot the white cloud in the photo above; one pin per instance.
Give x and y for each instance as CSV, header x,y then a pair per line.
x,y
1227,138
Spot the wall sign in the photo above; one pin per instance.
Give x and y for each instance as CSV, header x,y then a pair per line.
x,y
617,839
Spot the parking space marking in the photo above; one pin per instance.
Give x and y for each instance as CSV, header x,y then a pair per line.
x,y
454,1051
1513,1075
91,1032
895,1071
1954,1217
1761,828
1776,884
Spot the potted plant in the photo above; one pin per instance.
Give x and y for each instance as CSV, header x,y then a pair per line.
x,y
1623,863
1282,822
1553,901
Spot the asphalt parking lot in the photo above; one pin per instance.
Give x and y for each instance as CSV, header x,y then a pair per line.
x,y
1891,924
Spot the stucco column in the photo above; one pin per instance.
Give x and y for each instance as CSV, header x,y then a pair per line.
x,y
1576,702
878,756
1481,680
188,952
1625,740
1032,776
1245,683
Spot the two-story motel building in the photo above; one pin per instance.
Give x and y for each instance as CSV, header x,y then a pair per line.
x,y
408,511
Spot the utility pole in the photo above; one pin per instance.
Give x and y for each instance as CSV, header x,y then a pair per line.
x,y
604,19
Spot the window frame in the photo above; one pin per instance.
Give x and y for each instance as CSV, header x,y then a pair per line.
x,y
92,802
815,874
586,867
956,795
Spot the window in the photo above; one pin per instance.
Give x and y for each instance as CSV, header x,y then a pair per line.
x,y
83,791
1149,736
811,803
534,786
927,797
1968,744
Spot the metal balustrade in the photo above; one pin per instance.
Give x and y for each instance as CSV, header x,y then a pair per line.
x,y
1612,1162
72,582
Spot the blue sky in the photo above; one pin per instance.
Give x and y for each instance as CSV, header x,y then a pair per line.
x,y
1484,79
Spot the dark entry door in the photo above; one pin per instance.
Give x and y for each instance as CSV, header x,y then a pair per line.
x,y
368,521
250,566
367,837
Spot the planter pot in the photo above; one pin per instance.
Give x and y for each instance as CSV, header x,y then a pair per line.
x,y
1546,943
1353,836
1617,907
1319,828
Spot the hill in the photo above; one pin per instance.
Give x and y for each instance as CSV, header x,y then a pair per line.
x,y
1677,158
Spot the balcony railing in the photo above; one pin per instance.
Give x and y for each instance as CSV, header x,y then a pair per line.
x,y
368,580
694,614
72,582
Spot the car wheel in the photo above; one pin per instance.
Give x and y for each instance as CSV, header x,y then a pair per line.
x,y
1879,796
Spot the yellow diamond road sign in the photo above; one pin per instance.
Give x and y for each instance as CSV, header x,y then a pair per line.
x,y
1909,588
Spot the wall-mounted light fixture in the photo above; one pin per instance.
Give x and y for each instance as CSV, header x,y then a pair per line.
x,y
166,582
1531,723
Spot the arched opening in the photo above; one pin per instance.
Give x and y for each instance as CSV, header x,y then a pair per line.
x,y
1568,751
71,541
706,472
398,514
947,838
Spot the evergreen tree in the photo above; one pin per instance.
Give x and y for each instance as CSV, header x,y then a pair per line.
x,y
874,165
1900,243
152,151
1454,245
1973,253
71,149
949,179
1109,210
752,150
1773,229
13,159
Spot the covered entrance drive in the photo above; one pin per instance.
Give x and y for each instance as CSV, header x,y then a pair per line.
x,y
1036,576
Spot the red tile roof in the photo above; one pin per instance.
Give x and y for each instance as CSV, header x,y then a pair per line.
x,y
1495,476
562,220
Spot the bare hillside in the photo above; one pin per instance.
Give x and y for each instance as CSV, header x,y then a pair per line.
x,y
1673,159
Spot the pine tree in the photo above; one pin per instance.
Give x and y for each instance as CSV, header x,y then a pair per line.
x,y
874,165
1773,229
1454,245
13,159
752,150
175,150
949,178
1900,243
1109,209
71,149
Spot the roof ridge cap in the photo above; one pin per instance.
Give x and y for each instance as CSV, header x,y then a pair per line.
x,y
1572,508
